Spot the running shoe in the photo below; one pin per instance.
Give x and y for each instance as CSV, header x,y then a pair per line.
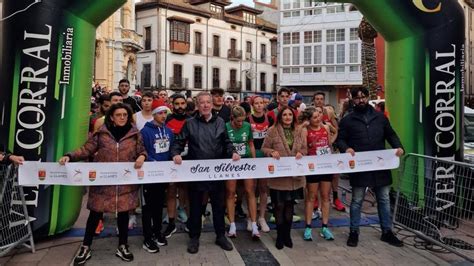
x,y
150,246
255,236
124,253
272,219
337,204
170,230
182,216
307,236
316,214
82,255
100,227
132,221
249,225
160,240
296,218
263,225
326,233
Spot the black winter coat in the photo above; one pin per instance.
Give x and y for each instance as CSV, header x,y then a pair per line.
x,y
367,131
206,140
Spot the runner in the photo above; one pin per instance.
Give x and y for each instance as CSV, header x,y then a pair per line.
x,y
260,123
145,115
240,134
319,143
157,139
175,121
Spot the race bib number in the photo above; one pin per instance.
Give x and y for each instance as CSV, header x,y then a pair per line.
x,y
323,150
241,148
259,134
162,145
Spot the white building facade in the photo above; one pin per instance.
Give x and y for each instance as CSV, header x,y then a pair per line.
x,y
199,45
320,48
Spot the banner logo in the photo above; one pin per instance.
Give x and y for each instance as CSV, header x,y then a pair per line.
x,y
41,174
92,176
311,167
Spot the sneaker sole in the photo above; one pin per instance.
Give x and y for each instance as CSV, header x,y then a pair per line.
x,y
150,250
161,244
171,233
328,239
308,239
82,262
118,254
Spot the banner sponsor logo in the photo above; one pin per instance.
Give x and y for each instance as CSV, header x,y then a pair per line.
x,y
202,170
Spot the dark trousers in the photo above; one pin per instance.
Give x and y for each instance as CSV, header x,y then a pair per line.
x,y
93,221
152,209
217,196
283,211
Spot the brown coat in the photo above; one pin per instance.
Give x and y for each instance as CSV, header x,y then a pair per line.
x,y
103,147
276,141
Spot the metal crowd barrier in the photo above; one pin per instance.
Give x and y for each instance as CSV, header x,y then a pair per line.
x,y
435,201
15,228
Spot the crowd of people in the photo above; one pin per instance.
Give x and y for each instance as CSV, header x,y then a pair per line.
x,y
155,127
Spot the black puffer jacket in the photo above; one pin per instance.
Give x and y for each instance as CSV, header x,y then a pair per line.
x,y
367,131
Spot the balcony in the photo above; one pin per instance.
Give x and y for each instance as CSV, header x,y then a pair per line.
x,y
274,60
234,55
248,56
178,83
131,40
178,47
234,86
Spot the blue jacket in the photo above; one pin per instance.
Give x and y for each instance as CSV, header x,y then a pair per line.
x,y
153,136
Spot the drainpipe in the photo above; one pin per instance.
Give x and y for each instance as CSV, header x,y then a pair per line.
x,y
256,58
242,56
207,54
166,45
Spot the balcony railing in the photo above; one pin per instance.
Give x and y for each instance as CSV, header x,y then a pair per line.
x,y
178,83
234,86
234,55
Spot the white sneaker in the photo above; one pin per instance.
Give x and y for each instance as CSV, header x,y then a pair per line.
x,y
132,221
263,225
249,225
316,214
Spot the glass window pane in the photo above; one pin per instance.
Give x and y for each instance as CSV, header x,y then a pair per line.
x,y
330,35
318,54
330,54
340,35
341,53
307,55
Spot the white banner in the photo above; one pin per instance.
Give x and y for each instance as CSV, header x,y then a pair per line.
x,y
97,174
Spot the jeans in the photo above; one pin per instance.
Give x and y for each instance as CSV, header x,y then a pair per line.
x,y
383,207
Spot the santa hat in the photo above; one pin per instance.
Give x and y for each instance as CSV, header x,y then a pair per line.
x,y
158,105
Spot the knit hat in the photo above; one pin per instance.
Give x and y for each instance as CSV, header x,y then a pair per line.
x,y
158,105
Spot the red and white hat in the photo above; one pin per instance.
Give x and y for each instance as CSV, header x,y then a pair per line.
x,y
158,106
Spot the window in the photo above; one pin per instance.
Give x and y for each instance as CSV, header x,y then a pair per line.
x,y
286,4
295,13
330,69
295,70
296,3
216,10
341,53
354,34
233,78
179,31
354,68
249,49
340,68
318,57
339,8
215,78
286,56
287,38
177,74
308,12
354,53
317,69
233,45
198,77
273,47
263,52
317,11
330,54
307,55
287,14
296,56
147,38
215,48
263,82
248,84
286,70
146,75
250,18
197,43
330,35
318,36
308,37
307,3
295,37
274,81
340,35
308,70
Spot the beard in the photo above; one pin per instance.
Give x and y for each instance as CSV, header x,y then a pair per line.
x,y
360,107
179,111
